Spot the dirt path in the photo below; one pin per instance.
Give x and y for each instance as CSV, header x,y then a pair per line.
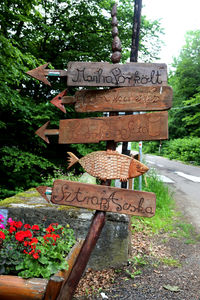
x,y
164,266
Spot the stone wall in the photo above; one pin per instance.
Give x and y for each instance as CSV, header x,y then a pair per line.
x,y
112,246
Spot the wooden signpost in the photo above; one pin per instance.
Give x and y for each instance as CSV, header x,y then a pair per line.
x,y
105,74
151,126
103,198
137,87
143,98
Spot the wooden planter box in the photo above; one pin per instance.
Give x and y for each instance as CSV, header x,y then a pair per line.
x,y
17,288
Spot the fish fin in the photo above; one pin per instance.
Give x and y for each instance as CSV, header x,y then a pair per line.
x,y
72,159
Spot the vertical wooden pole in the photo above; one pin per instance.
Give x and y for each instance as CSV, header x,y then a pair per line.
x,y
99,218
133,57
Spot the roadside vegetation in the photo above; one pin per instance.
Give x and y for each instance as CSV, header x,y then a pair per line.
x,y
184,149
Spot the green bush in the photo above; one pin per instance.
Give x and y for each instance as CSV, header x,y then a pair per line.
x,y
23,170
186,149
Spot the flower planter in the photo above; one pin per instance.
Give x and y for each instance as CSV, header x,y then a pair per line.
x,y
17,288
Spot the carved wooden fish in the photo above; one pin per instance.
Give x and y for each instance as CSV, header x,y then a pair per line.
x,y
109,165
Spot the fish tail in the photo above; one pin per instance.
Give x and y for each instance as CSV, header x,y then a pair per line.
x,y
72,159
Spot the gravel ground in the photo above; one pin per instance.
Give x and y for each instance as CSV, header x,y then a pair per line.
x,y
168,268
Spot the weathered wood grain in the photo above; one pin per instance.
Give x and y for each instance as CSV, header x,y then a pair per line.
x,y
109,165
104,198
141,98
150,126
105,74
17,288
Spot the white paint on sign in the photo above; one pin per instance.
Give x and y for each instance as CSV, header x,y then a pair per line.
x,y
189,177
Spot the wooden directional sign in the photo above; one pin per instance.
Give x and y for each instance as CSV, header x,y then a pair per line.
x,y
143,127
140,98
103,198
151,126
105,74
41,71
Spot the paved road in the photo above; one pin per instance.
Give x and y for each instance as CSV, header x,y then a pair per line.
x,y
185,182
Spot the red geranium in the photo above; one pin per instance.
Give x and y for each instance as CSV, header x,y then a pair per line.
x,y
27,226
2,235
21,235
35,227
11,229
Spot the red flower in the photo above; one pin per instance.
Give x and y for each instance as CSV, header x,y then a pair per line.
x,y
27,226
21,235
11,229
53,236
33,241
2,235
18,224
50,228
35,227
36,255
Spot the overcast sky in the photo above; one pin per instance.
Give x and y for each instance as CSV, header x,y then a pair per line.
x,y
178,16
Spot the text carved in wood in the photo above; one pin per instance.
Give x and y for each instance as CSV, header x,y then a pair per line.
x,y
151,126
103,198
105,74
124,99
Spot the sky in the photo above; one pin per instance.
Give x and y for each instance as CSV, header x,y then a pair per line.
x,y
177,17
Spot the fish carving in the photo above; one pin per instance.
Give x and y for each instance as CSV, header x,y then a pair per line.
x,y
109,165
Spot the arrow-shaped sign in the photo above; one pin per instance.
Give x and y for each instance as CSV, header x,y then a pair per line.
x,y
62,99
43,132
41,71
138,98
104,198
150,126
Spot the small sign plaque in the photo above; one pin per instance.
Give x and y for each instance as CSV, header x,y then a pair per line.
x,y
103,198
141,98
105,74
150,126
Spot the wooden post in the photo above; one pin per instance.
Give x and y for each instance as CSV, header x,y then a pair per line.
x,y
99,218
133,57
70,285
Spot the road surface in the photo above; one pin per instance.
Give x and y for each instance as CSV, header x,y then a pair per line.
x,y
184,181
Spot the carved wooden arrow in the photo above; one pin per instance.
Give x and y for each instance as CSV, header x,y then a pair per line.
x,y
142,98
150,126
41,71
43,132
62,99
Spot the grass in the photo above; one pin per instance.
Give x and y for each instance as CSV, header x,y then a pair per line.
x,y
165,214
170,262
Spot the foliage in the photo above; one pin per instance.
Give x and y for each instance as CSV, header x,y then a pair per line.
x,y
192,119
185,80
164,206
186,149
22,168
33,32
34,251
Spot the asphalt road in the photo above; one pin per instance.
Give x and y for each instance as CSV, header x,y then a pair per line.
x,y
184,180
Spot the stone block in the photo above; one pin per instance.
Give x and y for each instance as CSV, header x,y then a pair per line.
x,y
112,247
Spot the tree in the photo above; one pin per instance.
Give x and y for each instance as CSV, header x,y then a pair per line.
x,y
185,80
33,32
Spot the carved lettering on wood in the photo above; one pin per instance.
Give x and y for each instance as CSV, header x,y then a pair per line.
x,y
150,126
103,198
124,99
105,74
